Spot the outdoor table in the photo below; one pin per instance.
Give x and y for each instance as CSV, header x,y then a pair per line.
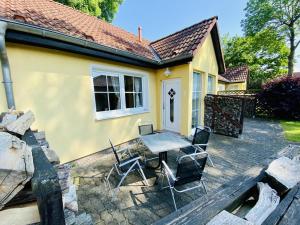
x,y
161,143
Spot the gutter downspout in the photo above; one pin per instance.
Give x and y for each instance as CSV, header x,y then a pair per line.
x,y
7,81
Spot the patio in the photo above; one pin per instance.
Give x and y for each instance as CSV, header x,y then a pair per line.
x,y
139,204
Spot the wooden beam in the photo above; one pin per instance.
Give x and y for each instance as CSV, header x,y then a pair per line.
x,y
45,185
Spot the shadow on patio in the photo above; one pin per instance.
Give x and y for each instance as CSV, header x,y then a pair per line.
x,y
140,204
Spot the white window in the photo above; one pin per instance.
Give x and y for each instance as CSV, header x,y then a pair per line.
x,y
196,104
210,84
119,94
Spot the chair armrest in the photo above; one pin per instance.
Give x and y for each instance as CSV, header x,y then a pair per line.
x,y
130,161
198,146
169,171
124,151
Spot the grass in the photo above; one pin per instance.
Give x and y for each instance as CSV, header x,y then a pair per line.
x,y
291,130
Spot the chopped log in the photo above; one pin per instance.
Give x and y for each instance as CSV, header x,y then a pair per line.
x,y
40,135
22,124
267,202
51,155
282,208
16,166
23,197
7,119
285,171
20,215
226,218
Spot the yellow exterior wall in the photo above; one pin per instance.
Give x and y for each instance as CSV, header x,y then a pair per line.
x,y
204,62
57,87
236,86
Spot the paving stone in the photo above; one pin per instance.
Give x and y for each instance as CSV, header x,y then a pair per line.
x,y
137,204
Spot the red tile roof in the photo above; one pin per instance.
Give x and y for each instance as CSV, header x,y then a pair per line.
x,y
48,14
57,17
236,74
185,41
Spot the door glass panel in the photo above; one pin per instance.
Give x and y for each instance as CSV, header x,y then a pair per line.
x,y
172,93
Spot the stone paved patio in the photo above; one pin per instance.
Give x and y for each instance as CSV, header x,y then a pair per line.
x,y
139,204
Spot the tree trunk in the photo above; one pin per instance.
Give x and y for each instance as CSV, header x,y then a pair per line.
x,y
291,56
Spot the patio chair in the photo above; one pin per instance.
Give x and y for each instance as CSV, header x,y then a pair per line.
x,y
125,166
189,169
199,143
146,129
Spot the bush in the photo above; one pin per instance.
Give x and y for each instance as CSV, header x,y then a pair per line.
x,y
280,98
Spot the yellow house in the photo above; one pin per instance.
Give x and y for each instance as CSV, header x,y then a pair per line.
x,y
87,81
233,79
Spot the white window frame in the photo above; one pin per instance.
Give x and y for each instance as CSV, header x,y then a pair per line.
x,y
119,72
199,109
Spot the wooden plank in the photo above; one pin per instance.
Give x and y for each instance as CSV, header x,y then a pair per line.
x,y
202,210
20,215
292,216
22,124
225,218
281,209
45,185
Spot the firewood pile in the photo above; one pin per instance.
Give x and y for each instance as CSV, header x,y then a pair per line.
x,y
18,168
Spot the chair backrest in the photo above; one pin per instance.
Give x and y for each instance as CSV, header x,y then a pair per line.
x,y
146,129
201,136
170,176
190,168
115,152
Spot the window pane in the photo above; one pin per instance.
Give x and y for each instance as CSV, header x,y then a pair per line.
x,y
128,83
138,100
114,101
196,101
196,81
113,84
129,100
101,102
138,84
210,87
100,84
195,117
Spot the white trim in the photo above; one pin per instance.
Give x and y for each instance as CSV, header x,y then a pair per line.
x,y
97,70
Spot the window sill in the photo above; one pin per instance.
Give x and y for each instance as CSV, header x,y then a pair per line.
x,y
118,114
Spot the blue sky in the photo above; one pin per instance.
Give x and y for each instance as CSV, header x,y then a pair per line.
x,y
159,18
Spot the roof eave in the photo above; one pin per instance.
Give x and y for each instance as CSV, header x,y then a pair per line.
x,y
46,33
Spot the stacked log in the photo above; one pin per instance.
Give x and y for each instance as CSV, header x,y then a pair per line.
x,y
17,163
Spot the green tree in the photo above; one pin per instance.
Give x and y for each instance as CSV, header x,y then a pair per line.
x,y
264,53
280,15
104,9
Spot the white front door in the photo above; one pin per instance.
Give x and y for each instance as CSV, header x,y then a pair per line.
x,y
171,90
